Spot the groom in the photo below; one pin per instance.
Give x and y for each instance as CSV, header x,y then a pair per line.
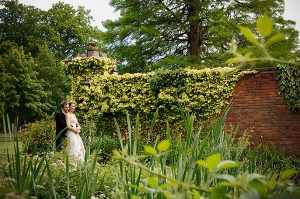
x,y
60,119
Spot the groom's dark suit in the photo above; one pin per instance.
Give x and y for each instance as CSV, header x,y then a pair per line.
x,y
61,129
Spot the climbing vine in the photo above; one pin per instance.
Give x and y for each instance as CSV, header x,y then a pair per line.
x,y
289,82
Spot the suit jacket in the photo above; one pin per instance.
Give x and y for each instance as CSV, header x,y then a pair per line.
x,y
60,119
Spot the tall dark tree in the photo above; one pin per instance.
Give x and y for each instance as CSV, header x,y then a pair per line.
x,y
19,23
22,94
151,34
52,77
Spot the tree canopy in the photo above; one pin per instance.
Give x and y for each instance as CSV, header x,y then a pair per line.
x,y
33,43
22,95
63,28
170,34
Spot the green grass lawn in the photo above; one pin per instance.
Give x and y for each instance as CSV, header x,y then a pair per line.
x,y
6,145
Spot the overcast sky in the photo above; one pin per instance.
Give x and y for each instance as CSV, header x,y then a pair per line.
x,y
101,10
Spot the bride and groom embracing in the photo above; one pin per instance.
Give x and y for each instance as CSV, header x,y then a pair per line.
x,y
68,127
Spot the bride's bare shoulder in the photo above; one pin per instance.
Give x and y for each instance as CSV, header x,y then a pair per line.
x,y
70,114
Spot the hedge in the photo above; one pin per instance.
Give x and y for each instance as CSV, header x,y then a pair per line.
x,y
107,96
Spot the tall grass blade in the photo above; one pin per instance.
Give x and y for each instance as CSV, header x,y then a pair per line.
x,y
39,171
136,132
91,173
9,127
129,131
221,121
68,175
18,166
50,179
4,124
119,133
153,123
137,182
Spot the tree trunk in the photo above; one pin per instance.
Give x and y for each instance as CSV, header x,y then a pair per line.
x,y
193,40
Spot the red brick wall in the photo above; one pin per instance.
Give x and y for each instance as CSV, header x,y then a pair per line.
x,y
257,104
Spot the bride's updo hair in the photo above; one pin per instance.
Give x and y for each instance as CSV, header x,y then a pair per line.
x,y
70,103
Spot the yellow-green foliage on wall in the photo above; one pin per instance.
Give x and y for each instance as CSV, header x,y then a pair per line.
x,y
89,66
201,92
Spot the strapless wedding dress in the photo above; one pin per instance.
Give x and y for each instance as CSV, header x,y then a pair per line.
x,y
75,145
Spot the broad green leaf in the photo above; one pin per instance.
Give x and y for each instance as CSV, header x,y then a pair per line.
x,y
287,174
248,34
218,192
213,160
152,181
275,38
134,197
271,183
163,145
227,177
196,194
142,189
202,163
225,164
255,176
150,150
167,194
165,186
228,70
250,195
231,60
259,187
264,25
226,184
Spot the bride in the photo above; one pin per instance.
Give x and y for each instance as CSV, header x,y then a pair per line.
x,y
75,145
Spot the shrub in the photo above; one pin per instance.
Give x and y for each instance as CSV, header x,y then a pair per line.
x,y
87,66
203,92
276,159
39,136
106,145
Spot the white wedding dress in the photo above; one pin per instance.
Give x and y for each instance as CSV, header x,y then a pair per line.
x,y
75,145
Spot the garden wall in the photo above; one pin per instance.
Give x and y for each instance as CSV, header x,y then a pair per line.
x,y
258,105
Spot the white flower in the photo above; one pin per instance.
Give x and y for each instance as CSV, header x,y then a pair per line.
x,y
73,197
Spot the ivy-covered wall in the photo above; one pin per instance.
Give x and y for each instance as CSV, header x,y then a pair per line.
x,y
107,96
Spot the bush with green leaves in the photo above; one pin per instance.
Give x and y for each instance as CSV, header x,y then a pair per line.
x,y
106,145
39,136
88,66
203,92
